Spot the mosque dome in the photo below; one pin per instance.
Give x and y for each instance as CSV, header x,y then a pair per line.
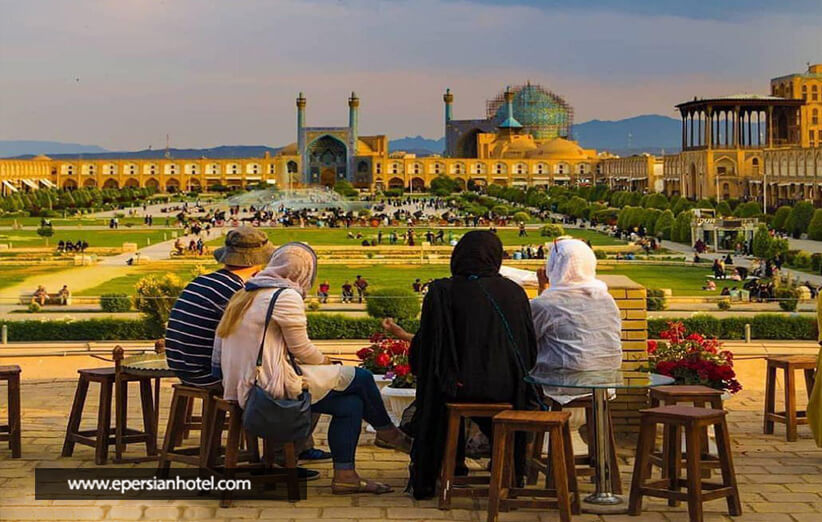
x,y
288,150
559,148
542,113
41,157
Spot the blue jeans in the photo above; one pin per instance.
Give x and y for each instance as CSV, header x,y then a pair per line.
x,y
361,400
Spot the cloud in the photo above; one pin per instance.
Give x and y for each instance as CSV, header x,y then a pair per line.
x,y
123,74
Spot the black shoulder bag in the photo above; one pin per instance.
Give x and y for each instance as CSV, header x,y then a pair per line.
x,y
278,420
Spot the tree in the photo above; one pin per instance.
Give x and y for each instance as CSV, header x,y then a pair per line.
x,y
681,231
723,209
815,227
681,206
442,185
748,210
155,297
799,219
780,217
655,200
45,231
761,242
664,224
344,188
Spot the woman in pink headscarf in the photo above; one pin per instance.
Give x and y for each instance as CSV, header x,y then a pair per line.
x,y
350,395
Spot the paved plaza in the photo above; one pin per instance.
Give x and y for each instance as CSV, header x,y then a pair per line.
x,y
778,481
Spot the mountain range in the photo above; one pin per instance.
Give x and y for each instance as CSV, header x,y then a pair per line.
x,y
650,133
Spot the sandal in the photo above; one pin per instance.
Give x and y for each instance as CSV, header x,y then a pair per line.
x,y
363,486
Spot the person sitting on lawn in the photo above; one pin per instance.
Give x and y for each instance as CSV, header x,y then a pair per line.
x,y
709,285
347,292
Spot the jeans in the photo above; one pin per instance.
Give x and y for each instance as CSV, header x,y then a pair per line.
x,y
361,400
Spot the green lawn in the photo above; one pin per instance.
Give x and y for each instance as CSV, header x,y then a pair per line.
x,y
339,236
682,280
11,275
95,238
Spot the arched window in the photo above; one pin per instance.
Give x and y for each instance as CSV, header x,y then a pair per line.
x,y
478,168
459,168
395,167
814,93
272,168
520,168
379,167
500,168
815,117
804,92
416,168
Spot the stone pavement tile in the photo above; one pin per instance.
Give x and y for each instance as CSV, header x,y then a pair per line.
x,y
748,516
815,479
804,487
806,517
45,512
163,513
792,497
290,512
683,517
238,512
354,512
125,513
199,512
769,479
780,507
387,501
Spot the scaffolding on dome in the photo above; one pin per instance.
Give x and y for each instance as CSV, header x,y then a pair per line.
x,y
542,113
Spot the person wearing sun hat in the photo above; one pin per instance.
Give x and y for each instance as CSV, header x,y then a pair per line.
x,y
197,312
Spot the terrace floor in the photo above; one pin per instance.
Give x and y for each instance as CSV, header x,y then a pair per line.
x,y
778,481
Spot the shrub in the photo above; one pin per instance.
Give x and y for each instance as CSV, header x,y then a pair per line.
x,y
748,210
155,297
501,210
788,298
600,254
313,305
399,303
345,189
551,230
655,299
816,262
780,217
85,330
815,226
724,304
393,192
761,242
337,326
664,224
521,217
802,259
799,218
114,303
33,308
723,209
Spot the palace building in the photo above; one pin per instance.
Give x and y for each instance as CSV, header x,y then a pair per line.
x,y
524,141
744,146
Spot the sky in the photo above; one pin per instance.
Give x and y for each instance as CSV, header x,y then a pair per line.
x,y
124,74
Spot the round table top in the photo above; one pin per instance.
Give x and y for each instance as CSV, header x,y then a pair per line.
x,y
592,379
151,365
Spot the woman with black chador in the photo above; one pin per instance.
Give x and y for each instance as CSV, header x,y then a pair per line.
x,y
475,343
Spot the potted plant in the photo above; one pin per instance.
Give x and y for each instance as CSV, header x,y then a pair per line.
x,y
387,359
692,359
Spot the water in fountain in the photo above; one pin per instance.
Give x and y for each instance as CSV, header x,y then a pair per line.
x,y
304,198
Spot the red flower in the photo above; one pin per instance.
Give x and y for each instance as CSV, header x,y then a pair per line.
x,y
376,337
401,370
383,359
695,337
652,346
398,348
365,353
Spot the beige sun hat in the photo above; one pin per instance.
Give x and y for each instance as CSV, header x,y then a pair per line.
x,y
245,246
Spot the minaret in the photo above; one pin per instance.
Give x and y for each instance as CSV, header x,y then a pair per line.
x,y
300,123
354,120
510,122
448,98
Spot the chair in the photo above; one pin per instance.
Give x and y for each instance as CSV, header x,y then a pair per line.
x,y
585,464
503,493
182,399
11,432
791,418
217,412
697,395
457,412
693,421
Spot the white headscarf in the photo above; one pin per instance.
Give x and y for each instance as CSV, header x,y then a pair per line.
x,y
572,265
293,265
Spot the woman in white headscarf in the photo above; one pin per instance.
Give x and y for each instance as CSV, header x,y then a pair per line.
x,y
576,320
346,393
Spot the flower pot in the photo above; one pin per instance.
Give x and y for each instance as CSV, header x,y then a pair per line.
x,y
397,400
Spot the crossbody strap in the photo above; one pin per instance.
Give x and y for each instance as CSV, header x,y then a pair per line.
x,y
513,347
265,331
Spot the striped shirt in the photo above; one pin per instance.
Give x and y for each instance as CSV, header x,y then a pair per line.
x,y
192,325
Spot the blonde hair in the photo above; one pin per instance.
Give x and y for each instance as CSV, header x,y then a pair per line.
x,y
234,312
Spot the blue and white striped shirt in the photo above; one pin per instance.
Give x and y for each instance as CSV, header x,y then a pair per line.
x,y
192,325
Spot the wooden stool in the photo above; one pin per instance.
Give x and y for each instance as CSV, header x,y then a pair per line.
x,y
182,399
699,396
693,421
456,413
233,456
503,493
790,417
585,464
11,432
105,435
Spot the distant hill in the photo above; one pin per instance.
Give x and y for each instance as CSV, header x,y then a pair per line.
x,y
223,151
418,145
12,148
649,133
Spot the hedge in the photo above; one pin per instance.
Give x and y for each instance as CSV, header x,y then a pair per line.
x,y
334,326
320,326
763,326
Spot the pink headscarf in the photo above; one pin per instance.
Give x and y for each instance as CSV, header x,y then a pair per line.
x,y
293,265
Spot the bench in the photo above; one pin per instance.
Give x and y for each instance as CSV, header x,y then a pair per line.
x,y
51,299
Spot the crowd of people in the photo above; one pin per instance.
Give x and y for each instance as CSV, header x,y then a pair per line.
x,y
72,246
478,337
